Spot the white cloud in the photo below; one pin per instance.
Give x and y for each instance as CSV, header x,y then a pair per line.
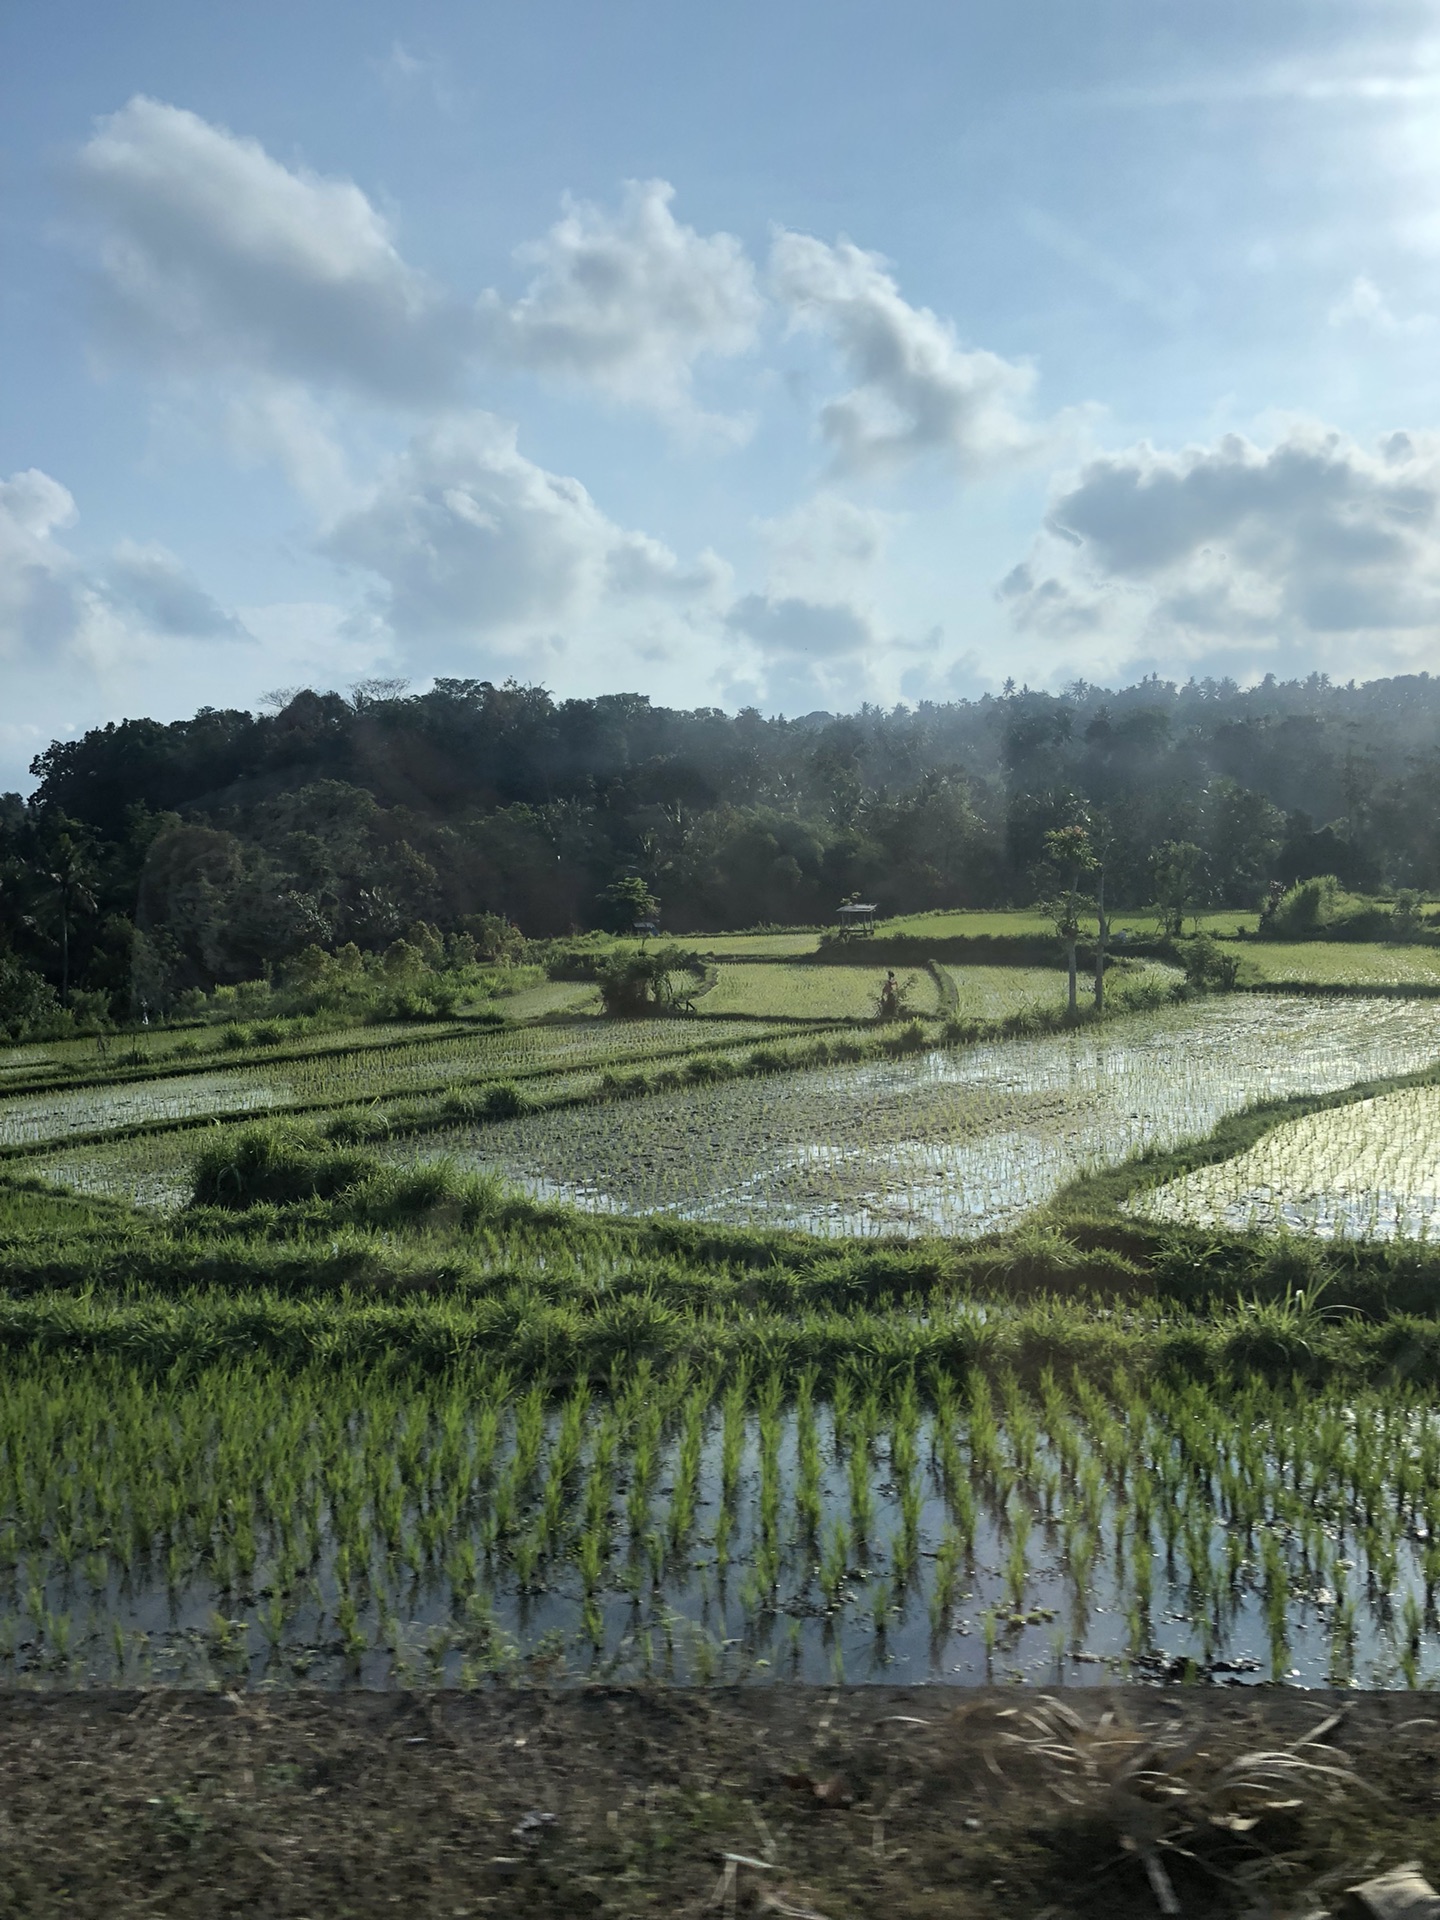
x,y
917,392
628,302
472,540
826,548
150,585
1315,542
281,421
55,608
1365,305
216,254
38,604
793,626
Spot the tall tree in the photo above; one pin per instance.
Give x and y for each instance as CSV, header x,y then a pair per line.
x,y
1069,854
67,874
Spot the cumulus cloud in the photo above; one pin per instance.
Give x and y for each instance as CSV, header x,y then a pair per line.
x,y
54,606
469,538
793,626
215,253
1363,304
826,548
1315,538
628,301
917,391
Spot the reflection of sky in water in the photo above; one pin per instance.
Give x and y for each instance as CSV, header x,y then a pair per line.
x,y
707,1618
51,1116
963,1142
1366,1170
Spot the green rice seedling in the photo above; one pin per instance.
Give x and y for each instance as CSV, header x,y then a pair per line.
x,y
1277,1606
945,1584
591,1557
1137,1632
908,1544
1017,1558
1414,1620
882,1603
841,1397
862,1500
687,1470
706,1656
271,1616
834,1564
1141,1562
990,1627
808,1506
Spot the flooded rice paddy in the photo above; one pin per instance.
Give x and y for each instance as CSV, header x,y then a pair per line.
x,y
335,1077
1367,1171
233,1527
961,1142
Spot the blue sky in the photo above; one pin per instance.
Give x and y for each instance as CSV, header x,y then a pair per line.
x,y
788,355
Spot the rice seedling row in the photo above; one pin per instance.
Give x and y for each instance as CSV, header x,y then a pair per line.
x,y
226,1525
962,1143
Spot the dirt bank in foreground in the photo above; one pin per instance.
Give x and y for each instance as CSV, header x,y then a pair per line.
x,y
627,1801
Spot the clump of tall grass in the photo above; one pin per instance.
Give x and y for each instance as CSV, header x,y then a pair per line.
x,y
276,1163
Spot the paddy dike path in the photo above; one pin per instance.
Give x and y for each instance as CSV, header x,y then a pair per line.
x,y
901,1802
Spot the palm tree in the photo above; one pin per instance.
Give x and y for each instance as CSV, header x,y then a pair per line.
x,y
66,875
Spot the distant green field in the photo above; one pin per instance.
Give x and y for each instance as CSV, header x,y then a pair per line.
x,y
807,992
1339,964
778,944
555,996
992,993
1029,920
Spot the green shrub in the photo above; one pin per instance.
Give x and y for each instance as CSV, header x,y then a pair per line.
x,y
1208,968
273,1163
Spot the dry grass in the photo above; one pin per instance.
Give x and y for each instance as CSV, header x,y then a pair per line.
x,y
612,1802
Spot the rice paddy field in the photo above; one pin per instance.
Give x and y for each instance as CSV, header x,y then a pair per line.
x,y
1369,1170
336,1075
583,1348
226,1526
963,1142
992,993
1348,964
773,990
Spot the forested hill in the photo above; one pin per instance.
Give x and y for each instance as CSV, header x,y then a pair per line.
x,y
236,839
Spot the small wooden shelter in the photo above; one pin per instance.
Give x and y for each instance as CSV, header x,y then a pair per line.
x,y
858,915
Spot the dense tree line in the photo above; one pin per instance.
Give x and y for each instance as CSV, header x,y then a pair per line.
x,y
153,858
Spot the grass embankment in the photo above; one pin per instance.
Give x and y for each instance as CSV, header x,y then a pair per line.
x,y
310,1252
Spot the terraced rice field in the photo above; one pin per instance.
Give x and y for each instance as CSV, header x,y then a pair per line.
x,y
1367,1171
233,1525
777,946
1029,921
552,997
993,993
337,1077
963,1142
810,992
1339,964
